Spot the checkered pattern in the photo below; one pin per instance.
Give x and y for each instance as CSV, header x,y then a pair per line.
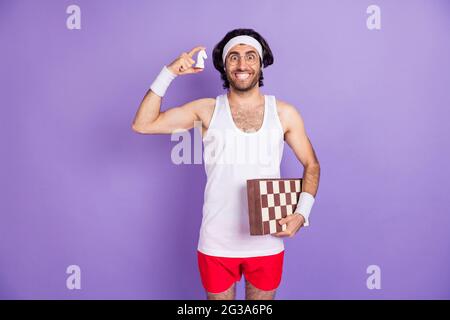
x,y
278,199
270,200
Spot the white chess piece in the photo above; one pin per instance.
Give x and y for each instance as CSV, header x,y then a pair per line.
x,y
200,63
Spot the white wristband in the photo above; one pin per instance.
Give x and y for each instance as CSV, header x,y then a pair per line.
x,y
304,206
162,82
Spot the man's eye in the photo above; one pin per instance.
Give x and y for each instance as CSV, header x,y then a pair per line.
x,y
233,57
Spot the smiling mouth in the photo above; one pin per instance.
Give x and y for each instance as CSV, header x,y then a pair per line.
x,y
242,75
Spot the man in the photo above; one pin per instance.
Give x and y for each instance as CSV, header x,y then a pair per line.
x,y
231,123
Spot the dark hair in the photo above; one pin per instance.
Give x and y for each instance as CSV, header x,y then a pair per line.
x,y
267,59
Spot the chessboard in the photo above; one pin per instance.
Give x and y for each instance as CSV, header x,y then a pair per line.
x,y
270,200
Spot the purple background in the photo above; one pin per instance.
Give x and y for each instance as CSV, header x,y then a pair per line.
x,y
78,186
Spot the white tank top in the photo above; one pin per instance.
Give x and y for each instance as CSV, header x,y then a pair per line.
x,y
231,156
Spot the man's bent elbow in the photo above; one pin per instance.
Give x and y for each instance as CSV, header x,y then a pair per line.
x,y
313,165
139,129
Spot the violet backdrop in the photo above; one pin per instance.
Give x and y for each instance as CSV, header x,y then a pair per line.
x,y
78,186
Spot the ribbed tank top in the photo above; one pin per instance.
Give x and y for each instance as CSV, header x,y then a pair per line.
x,y
231,156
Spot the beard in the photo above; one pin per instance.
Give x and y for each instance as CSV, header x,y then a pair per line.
x,y
244,85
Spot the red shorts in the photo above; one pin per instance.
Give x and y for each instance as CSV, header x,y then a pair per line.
x,y
219,273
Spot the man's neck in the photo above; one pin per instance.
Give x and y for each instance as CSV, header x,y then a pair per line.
x,y
246,99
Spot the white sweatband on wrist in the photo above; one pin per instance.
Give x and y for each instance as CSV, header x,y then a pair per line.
x,y
304,206
162,82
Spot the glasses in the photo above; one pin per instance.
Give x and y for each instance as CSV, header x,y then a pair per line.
x,y
250,58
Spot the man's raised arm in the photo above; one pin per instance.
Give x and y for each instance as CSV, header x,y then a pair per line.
x,y
149,119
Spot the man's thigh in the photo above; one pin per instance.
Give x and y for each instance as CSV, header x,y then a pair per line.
x,y
263,276
219,275
229,294
253,293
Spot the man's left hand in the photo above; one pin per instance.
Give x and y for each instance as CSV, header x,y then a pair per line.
x,y
293,223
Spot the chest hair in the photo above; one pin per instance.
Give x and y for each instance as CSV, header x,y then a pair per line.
x,y
248,120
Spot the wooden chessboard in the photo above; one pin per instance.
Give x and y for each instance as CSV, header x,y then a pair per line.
x,y
270,200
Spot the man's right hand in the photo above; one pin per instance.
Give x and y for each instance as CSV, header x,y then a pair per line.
x,y
184,63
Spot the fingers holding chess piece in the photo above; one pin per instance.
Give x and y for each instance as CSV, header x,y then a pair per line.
x,y
184,64
200,59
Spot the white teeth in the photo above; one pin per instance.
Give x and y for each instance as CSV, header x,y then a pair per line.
x,y
242,76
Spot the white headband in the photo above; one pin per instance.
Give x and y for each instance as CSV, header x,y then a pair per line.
x,y
244,40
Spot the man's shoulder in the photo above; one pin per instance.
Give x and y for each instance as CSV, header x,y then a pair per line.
x,y
204,108
205,101
289,115
286,109
283,104
202,103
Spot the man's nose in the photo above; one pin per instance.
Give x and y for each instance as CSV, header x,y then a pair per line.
x,y
242,62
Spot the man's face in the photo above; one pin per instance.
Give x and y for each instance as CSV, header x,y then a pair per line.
x,y
243,67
